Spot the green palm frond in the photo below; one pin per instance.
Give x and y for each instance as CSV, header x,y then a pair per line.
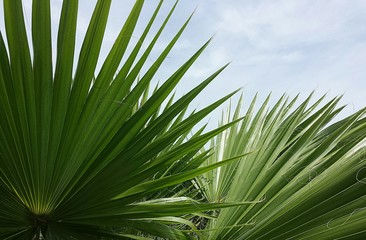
x,y
307,174
79,149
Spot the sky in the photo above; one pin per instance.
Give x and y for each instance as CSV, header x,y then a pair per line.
x,y
282,46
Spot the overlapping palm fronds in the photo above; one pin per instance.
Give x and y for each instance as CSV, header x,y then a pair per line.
x,y
78,153
309,174
87,154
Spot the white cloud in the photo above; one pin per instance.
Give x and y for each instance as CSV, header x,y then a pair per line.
x,y
269,24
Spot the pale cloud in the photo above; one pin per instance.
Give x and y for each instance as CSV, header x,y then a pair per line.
x,y
294,46
287,57
268,24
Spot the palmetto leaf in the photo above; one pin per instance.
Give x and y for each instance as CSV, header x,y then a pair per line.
x,y
308,174
79,150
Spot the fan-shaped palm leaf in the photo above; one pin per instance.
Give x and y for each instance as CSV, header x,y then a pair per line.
x,y
78,153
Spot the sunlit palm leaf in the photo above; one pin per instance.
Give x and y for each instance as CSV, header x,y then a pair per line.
x,y
310,176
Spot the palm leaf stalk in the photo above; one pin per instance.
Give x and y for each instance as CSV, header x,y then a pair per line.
x,y
80,150
310,174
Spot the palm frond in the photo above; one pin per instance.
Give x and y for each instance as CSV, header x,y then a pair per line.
x,y
308,173
80,149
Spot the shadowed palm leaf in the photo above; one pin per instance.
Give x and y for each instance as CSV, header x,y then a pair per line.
x,y
78,153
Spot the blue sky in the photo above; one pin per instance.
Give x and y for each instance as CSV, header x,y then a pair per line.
x,y
292,46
